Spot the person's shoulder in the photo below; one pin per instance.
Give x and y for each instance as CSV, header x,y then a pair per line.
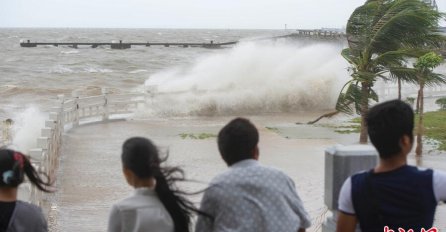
x,y
439,172
439,175
222,177
359,175
138,201
30,215
271,171
28,207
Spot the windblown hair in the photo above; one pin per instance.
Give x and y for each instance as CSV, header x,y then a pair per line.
x,y
141,156
237,140
15,165
387,123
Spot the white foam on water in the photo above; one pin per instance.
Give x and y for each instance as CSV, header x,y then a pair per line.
x,y
70,52
27,128
252,78
138,71
97,70
61,69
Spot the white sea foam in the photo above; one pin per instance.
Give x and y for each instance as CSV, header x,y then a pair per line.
x,y
89,69
61,69
27,128
138,71
252,78
97,70
70,52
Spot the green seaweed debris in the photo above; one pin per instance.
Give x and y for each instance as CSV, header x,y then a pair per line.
x,y
199,136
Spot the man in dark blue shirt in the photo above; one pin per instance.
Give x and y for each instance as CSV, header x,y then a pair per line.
x,y
392,195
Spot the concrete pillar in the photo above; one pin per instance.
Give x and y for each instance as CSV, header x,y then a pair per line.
x,y
340,163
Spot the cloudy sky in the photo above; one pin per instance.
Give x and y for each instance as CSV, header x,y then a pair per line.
x,y
261,14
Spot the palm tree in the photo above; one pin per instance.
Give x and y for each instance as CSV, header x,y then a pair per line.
x,y
381,34
425,75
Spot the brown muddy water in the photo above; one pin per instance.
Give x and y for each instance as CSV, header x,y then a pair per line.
x,y
90,178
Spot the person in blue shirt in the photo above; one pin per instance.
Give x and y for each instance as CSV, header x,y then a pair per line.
x,y
249,197
392,195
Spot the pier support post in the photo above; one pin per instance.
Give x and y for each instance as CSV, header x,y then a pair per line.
x,y
340,163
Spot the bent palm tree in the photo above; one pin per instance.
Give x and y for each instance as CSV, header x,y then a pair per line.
x,y
381,34
424,67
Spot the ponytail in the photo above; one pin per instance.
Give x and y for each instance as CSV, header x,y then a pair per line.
x,y
141,156
35,177
14,166
179,208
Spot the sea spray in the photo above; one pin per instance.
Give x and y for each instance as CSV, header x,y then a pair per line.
x,y
27,128
251,78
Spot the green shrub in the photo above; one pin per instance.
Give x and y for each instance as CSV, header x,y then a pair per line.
x,y
441,102
410,100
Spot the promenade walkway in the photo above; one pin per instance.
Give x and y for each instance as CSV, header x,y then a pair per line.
x,y
90,179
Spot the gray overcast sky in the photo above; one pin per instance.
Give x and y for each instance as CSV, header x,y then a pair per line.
x,y
262,14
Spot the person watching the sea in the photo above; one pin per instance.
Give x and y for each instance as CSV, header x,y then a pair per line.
x,y
16,215
249,197
156,204
393,196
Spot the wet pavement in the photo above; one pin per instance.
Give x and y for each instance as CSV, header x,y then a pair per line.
x,y
90,179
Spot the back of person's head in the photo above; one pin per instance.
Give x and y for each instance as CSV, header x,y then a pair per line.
x,y
11,168
14,166
237,140
141,156
387,123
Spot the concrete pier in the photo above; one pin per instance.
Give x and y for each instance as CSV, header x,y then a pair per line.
x,y
304,34
123,45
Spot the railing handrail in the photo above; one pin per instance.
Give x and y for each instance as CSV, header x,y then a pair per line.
x,y
70,113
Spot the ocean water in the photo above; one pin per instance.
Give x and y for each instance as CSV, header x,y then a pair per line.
x,y
34,76
251,78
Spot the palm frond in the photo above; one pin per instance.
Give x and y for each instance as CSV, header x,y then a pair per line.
x,y
405,74
349,98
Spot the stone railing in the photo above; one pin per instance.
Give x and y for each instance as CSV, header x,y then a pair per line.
x,y
389,90
5,138
70,113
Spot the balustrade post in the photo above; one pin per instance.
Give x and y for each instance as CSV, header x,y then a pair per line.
x,y
37,155
46,160
106,113
56,135
75,96
7,125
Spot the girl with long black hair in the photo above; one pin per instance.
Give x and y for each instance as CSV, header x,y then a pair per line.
x,y
16,215
156,205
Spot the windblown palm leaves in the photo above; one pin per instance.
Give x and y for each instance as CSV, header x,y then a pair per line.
x,y
381,34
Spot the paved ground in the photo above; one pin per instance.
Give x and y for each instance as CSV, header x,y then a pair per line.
x,y
90,178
